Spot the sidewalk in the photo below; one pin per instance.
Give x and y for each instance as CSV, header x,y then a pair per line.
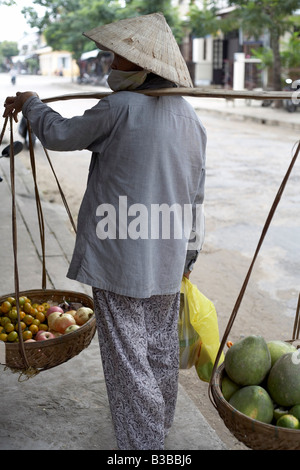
x,y
66,408
252,111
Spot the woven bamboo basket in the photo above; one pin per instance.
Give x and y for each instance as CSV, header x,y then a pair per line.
x,y
42,355
33,357
254,434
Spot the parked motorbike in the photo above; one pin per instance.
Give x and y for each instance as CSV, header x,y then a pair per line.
x,y
87,79
266,103
291,104
97,80
17,148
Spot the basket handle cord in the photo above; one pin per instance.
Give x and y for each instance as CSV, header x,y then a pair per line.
x,y
61,191
244,286
14,237
296,329
3,130
38,205
40,219
32,159
38,201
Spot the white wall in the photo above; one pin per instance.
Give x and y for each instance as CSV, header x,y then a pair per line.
x,y
202,57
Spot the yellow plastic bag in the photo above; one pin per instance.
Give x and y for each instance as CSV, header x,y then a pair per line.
x,y
189,340
199,341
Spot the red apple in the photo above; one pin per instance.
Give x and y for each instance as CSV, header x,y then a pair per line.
x,y
51,319
45,335
71,328
83,314
72,312
55,333
38,334
54,308
62,322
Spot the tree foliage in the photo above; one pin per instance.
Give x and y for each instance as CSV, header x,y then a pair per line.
x,y
63,21
8,49
206,21
290,55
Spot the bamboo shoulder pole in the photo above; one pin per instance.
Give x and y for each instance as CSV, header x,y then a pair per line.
x,y
194,92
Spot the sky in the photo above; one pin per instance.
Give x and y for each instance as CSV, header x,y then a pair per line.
x,y
12,23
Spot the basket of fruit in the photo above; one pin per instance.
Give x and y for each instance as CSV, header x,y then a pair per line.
x,y
257,393
55,326
41,328
256,390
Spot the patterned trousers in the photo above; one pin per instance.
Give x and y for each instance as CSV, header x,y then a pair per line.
x,y
139,348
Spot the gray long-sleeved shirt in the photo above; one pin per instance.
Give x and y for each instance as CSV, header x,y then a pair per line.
x,y
146,178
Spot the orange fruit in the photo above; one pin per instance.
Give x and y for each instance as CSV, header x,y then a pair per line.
x,y
11,300
23,326
3,336
33,311
40,316
288,421
22,301
41,308
9,327
43,327
27,307
13,315
28,319
27,335
4,320
5,306
34,329
12,336
36,322
22,315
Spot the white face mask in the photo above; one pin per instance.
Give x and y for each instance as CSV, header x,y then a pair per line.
x,y
120,80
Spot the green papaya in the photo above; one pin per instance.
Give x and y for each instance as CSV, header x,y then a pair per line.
x,y
277,348
248,361
253,401
228,387
284,380
295,411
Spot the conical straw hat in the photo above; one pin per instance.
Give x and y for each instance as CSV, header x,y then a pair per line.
x,y
146,41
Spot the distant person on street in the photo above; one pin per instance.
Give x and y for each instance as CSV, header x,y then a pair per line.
x,y
140,225
13,76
